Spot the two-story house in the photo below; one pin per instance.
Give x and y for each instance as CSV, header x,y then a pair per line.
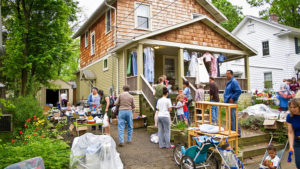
x,y
278,49
159,30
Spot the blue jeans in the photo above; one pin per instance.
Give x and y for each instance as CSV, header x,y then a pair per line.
x,y
214,113
233,121
297,152
125,115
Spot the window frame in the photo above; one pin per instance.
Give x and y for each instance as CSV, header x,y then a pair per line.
x,y
265,73
105,68
265,55
297,45
196,14
248,28
93,52
136,4
86,39
106,20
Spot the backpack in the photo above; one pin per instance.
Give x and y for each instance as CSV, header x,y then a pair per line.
x,y
111,102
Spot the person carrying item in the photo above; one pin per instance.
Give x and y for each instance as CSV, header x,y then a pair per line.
x,y
214,97
164,106
126,105
94,99
231,95
179,106
272,160
293,121
105,101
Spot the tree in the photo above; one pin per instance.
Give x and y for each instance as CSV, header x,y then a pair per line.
x,y
38,40
233,13
288,11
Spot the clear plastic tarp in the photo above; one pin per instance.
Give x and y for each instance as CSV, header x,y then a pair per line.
x,y
91,151
262,110
35,163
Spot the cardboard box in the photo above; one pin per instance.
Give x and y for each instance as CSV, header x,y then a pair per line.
x,y
81,130
138,123
114,121
273,124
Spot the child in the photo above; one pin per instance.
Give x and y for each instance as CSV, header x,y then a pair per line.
x,y
199,95
230,158
272,160
186,110
179,106
164,106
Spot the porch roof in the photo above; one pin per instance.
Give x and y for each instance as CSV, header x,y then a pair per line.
x,y
247,50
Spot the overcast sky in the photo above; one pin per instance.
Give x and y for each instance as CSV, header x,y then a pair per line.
x,y
89,6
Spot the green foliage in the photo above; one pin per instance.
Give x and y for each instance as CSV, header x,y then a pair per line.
x,y
39,41
5,137
253,123
7,105
25,107
35,140
288,11
180,126
233,13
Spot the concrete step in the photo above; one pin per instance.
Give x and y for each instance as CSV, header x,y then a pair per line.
x,y
251,140
253,150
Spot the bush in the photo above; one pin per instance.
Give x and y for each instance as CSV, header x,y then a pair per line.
x,y
36,140
253,122
25,107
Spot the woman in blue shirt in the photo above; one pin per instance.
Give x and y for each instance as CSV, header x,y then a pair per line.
x,y
293,121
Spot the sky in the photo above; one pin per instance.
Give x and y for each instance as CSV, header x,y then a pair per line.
x,y
89,6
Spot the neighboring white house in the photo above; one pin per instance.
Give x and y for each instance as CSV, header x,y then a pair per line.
x,y
278,49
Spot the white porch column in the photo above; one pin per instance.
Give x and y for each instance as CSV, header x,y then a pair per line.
x,y
247,73
180,68
140,66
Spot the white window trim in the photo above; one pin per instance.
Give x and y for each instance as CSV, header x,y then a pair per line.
x,y
136,4
105,68
93,34
251,24
192,15
271,77
86,40
106,32
262,49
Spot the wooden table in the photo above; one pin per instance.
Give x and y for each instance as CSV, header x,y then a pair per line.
x,y
87,125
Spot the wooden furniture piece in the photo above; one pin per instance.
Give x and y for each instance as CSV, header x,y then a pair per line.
x,y
202,116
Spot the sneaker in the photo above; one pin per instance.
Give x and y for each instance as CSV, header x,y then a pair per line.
x,y
121,145
128,142
172,146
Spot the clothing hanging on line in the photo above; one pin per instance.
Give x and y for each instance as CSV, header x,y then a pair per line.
x,y
193,65
149,64
186,56
129,66
202,74
220,60
134,63
207,56
214,66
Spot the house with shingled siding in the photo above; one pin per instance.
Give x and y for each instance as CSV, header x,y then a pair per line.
x,y
169,27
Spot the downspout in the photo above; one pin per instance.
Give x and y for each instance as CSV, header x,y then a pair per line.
x,y
115,40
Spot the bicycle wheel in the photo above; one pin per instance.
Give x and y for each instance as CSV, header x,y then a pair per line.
x,y
187,163
177,154
211,161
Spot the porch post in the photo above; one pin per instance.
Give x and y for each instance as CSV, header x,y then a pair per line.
x,y
180,68
247,73
139,66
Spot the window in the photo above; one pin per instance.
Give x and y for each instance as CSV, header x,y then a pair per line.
x,y
86,38
92,43
195,15
268,80
297,45
142,20
105,64
108,21
250,28
265,46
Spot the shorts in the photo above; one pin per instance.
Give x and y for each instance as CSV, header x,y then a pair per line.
x,y
182,117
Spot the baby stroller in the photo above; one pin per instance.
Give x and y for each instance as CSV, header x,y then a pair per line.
x,y
201,155
279,153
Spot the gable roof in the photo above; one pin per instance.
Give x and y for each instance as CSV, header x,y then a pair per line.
x,y
220,17
206,20
283,28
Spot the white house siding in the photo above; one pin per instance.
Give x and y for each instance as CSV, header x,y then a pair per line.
x,y
280,62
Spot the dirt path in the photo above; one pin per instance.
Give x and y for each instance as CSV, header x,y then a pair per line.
x,y
142,154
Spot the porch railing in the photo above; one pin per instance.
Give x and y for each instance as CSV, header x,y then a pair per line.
x,y
147,91
132,83
221,82
192,86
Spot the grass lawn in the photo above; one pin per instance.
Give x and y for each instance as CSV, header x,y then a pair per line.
x,y
5,137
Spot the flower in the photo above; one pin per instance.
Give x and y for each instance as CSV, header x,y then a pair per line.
x,y
37,128
28,120
42,136
25,125
21,132
35,119
34,116
25,143
34,133
28,136
13,141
